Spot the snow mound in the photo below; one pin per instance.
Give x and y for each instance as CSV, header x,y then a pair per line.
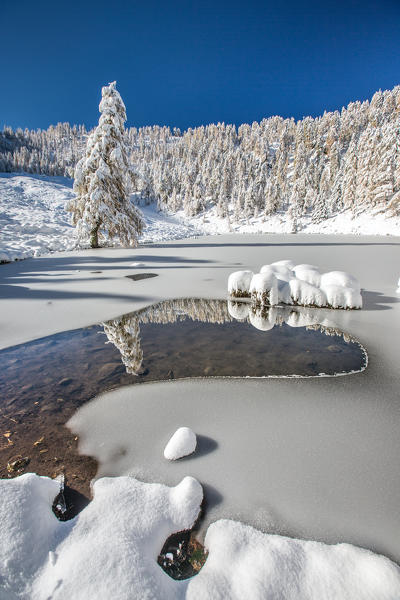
x,y
340,278
305,294
281,272
339,296
116,538
239,283
264,288
181,444
308,273
114,542
260,566
302,285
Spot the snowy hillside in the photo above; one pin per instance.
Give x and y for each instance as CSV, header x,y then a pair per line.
x,y
33,219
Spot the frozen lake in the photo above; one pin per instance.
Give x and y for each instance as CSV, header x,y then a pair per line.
x,y
314,457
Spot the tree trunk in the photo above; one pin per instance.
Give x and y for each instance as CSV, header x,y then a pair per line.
x,y
94,236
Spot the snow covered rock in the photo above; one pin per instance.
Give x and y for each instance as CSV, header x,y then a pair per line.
x,y
308,273
264,289
303,285
305,294
182,443
239,284
339,296
340,278
281,272
289,264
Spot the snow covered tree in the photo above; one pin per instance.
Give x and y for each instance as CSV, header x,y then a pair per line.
x,y
103,179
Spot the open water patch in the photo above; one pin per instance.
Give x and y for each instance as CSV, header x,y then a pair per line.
x,y
43,382
175,339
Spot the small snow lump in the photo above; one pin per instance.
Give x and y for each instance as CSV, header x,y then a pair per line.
x,y
182,443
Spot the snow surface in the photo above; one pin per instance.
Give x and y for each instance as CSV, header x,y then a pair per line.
x,y
181,444
114,542
33,219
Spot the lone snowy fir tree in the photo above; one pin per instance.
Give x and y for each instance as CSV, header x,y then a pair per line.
x,y
103,178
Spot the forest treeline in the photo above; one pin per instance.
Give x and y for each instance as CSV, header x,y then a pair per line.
x,y
348,159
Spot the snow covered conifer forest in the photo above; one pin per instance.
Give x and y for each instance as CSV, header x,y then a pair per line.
x,y
316,167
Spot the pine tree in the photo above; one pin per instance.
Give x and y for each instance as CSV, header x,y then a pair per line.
x,y
103,180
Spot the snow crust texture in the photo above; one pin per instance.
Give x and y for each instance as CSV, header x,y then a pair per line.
x,y
181,444
301,285
114,542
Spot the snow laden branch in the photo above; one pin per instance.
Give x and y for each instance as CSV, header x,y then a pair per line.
x,y
102,208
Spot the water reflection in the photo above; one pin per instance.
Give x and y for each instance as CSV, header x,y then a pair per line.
x,y
197,337
43,382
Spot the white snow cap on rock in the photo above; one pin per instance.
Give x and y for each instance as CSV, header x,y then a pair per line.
x,y
239,282
308,273
283,282
305,294
264,285
182,443
339,296
340,278
281,272
119,535
289,264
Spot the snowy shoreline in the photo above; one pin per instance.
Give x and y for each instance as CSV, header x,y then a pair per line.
x,y
34,222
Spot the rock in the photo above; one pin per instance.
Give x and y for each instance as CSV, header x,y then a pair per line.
x,y
181,444
18,463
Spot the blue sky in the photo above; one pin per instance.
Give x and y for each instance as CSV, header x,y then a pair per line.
x,y
184,64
